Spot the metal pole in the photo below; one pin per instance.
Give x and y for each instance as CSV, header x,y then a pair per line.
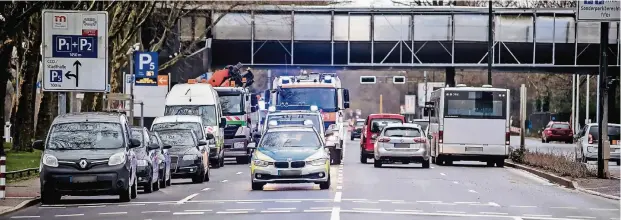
x,y
588,103
577,120
597,100
131,88
62,103
603,145
522,115
490,41
573,103
380,104
141,114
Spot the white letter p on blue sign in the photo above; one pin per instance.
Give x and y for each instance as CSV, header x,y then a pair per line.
x,y
145,59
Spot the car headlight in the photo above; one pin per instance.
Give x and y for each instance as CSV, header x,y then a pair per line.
x,y
211,141
317,162
50,161
261,163
142,163
190,157
117,159
591,149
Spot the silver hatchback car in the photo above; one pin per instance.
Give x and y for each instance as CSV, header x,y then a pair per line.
x,y
403,143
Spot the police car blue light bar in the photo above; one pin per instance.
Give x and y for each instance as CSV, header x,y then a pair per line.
x,y
314,108
271,109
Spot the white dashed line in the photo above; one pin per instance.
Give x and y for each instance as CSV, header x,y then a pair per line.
x,y
472,191
455,182
366,209
247,202
188,213
205,189
589,217
52,207
239,173
370,202
407,210
385,200
523,206
187,198
89,206
224,181
466,202
433,167
139,204
494,213
339,187
400,202
145,212
231,212
453,212
536,215
441,203
234,210
206,210
281,208
33,216
336,213
293,201
491,204
563,208
321,208
275,211
442,174
113,213
70,215
429,201
318,210
598,209
337,196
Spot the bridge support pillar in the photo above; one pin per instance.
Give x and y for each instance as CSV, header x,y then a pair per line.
x,y
449,78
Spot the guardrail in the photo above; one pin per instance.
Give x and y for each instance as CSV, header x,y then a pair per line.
x,y
21,173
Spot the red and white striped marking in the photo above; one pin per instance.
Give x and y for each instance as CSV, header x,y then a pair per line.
x,y
209,129
2,176
233,118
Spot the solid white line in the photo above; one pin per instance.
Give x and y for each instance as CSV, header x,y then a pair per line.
x,y
188,213
589,217
597,209
366,209
429,201
92,206
442,174
231,212
205,189
239,173
224,181
445,214
563,208
275,211
52,207
239,209
253,200
32,216
318,210
472,191
187,198
113,213
407,210
494,213
206,210
247,202
336,213
454,212
338,196
293,201
133,204
281,208
69,215
145,212
535,215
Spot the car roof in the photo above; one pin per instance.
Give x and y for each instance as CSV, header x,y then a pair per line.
x,y
609,124
421,120
290,128
175,129
110,117
386,115
178,118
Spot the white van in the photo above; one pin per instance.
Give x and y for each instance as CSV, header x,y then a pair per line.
x,y
202,100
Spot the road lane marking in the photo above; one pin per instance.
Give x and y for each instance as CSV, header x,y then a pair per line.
x,y
323,201
69,215
52,207
32,216
132,205
442,174
366,202
339,187
321,208
386,200
472,191
494,213
407,210
493,204
224,181
292,201
187,198
247,202
113,213
240,212
563,208
572,216
254,200
536,215
92,206
205,210
336,213
367,209
453,212
188,213
523,206
239,173
455,182
338,196
318,210
466,202
275,211
443,203
234,210
598,209
205,189
281,208
517,218
145,212
429,201
400,202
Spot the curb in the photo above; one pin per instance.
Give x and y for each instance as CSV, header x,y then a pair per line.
x,y
559,180
24,204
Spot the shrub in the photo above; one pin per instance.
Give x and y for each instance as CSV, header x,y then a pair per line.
x,y
561,164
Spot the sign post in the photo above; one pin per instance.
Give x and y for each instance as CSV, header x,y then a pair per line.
x,y
75,52
603,11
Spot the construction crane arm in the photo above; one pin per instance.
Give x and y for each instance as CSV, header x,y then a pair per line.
x,y
224,77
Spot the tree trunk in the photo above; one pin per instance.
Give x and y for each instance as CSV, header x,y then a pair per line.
x,y
47,111
30,69
6,50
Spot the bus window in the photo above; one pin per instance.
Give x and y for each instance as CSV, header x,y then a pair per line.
x,y
475,104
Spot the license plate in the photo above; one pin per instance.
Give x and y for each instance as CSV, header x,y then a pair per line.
x,y
474,149
83,179
402,145
289,172
238,145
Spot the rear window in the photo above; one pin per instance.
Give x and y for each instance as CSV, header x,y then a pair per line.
x,y
402,132
563,126
613,132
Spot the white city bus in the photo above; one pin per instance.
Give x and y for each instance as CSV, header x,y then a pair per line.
x,y
470,124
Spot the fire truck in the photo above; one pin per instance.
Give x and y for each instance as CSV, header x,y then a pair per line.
x,y
323,90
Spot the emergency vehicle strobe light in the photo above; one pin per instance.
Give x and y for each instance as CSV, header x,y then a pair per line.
x,y
308,122
271,109
273,123
314,108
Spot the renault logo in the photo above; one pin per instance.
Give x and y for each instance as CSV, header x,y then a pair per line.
x,y
83,163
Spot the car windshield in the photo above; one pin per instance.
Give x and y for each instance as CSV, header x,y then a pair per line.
x,y
231,104
196,127
423,124
85,135
207,112
558,125
323,98
402,132
283,139
295,119
177,138
382,122
360,123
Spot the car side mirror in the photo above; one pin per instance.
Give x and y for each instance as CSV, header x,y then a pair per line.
x,y
154,147
222,122
209,136
202,143
38,144
252,146
134,143
167,146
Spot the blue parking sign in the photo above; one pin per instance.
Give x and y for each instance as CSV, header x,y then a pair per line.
x,y
146,64
56,76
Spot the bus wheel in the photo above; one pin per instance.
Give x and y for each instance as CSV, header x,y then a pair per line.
x,y
500,163
490,163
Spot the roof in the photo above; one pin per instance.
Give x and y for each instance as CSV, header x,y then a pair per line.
x,y
290,128
174,129
410,125
110,117
293,112
385,114
191,94
609,124
421,120
178,118
308,85
472,88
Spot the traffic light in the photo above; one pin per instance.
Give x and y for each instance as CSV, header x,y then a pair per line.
x,y
398,79
368,80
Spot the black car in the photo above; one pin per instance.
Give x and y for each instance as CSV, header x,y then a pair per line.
x,y
165,172
189,156
88,154
357,129
149,160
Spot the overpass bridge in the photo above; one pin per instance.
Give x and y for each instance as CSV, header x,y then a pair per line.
x,y
409,37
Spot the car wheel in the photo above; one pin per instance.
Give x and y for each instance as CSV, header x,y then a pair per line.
x,y
163,175
618,163
426,163
50,197
377,163
325,185
352,137
338,155
200,177
257,186
363,158
126,195
168,181
134,191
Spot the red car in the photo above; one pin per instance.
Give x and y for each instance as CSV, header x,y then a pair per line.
x,y
366,139
557,131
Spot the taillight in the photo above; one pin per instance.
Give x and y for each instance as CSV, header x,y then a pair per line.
x,y
384,140
420,140
508,138
440,136
590,139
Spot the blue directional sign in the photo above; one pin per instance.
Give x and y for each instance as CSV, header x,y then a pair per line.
x,y
146,64
68,46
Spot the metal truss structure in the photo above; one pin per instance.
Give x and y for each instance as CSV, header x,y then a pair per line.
x,y
408,37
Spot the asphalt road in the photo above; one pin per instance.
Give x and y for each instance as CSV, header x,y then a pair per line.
x,y
359,191
559,148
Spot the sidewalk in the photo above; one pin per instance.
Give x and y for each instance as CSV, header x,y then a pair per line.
x,y
603,186
18,193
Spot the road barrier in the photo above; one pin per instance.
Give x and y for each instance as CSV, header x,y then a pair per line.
x,y
2,176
